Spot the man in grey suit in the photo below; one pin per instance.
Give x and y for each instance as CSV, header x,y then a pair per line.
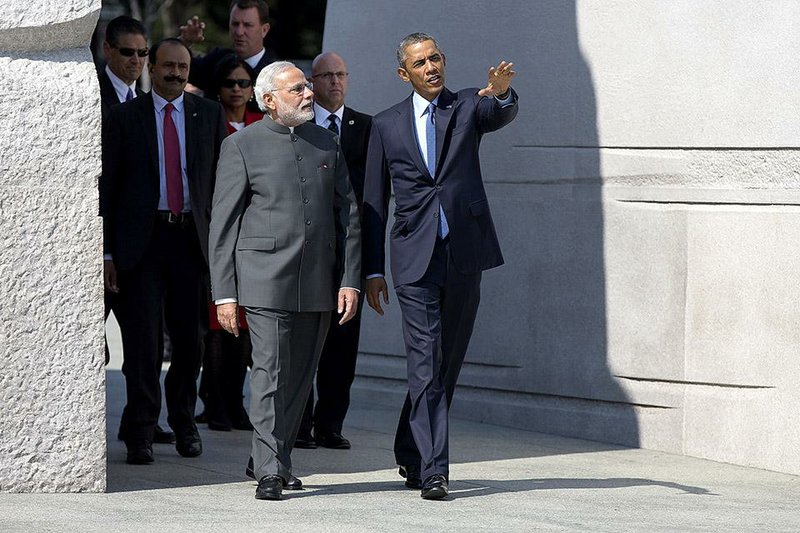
x,y
282,202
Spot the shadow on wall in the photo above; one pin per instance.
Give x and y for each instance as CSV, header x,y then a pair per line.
x,y
538,358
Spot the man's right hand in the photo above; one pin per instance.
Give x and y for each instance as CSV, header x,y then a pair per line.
x,y
110,276
192,31
228,317
376,287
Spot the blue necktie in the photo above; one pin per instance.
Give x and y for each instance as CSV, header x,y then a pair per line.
x,y
129,96
430,141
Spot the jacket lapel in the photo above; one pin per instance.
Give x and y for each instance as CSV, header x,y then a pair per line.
x,y
407,130
444,112
147,116
190,123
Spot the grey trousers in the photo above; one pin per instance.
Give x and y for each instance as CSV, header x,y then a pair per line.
x,y
286,350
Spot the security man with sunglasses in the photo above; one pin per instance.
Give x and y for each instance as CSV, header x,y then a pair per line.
x,y
125,52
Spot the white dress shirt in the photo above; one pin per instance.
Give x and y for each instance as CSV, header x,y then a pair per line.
x,y
253,60
179,119
120,87
321,116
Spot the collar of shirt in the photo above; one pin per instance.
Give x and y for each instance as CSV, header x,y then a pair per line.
x,y
253,60
321,115
159,102
420,104
120,87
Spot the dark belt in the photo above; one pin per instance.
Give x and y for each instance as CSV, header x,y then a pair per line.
x,y
171,218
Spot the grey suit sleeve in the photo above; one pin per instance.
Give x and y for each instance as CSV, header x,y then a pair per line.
x,y
346,212
230,192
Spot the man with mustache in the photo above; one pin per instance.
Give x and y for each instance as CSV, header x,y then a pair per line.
x,y
161,151
282,202
248,26
426,149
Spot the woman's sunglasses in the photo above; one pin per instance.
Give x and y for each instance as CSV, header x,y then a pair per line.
x,y
243,84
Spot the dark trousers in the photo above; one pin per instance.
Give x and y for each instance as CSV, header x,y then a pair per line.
x,y
166,286
286,350
225,363
335,375
438,316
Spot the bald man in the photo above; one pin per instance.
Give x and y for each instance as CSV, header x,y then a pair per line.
x,y
337,365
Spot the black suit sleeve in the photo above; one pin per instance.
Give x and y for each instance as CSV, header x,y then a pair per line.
x,y
377,189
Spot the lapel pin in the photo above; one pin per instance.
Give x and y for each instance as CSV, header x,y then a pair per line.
x,y
194,114
352,122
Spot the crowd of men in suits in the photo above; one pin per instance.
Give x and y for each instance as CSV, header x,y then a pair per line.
x,y
284,219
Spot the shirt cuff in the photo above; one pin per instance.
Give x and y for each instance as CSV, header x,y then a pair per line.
x,y
357,290
372,276
107,257
507,100
225,301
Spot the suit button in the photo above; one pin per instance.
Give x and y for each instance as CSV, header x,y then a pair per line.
x,y
308,243
438,187
436,215
294,137
299,157
302,180
308,222
305,200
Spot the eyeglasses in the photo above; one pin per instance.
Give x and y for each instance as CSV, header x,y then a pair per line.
x,y
328,76
298,89
128,52
229,83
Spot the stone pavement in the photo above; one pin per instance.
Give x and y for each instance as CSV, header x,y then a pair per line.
x,y
502,480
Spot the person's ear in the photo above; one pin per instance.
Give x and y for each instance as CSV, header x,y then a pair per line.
x,y
403,74
264,30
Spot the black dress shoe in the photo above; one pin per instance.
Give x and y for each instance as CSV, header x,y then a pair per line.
x,y
163,436
435,487
412,475
270,487
332,440
139,452
293,484
305,442
189,444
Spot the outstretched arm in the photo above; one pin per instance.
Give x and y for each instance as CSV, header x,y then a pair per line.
x,y
499,80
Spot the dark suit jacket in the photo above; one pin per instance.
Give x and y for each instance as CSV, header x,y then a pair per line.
x,y
108,96
355,137
202,68
393,157
130,180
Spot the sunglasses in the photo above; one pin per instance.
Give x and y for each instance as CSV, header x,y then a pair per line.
x,y
128,52
229,83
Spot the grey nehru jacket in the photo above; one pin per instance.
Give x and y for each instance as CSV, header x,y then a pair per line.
x,y
282,201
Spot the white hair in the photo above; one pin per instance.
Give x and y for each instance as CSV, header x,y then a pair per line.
x,y
266,80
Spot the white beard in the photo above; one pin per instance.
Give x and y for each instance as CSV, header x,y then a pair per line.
x,y
293,116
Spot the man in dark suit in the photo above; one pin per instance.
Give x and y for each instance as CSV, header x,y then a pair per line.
x,y
337,365
158,177
282,202
125,52
248,27
426,149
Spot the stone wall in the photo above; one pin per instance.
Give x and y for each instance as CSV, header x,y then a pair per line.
x,y
647,202
52,394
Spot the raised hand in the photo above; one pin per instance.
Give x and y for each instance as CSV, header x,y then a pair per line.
x,y
192,31
499,80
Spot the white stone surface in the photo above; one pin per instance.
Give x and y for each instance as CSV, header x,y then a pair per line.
x,y
647,199
52,401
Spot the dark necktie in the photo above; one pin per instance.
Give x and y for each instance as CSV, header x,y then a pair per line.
x,y
129,96
430,149
172,162
332,124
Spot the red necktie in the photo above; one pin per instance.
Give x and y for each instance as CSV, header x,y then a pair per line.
x,y
172,163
